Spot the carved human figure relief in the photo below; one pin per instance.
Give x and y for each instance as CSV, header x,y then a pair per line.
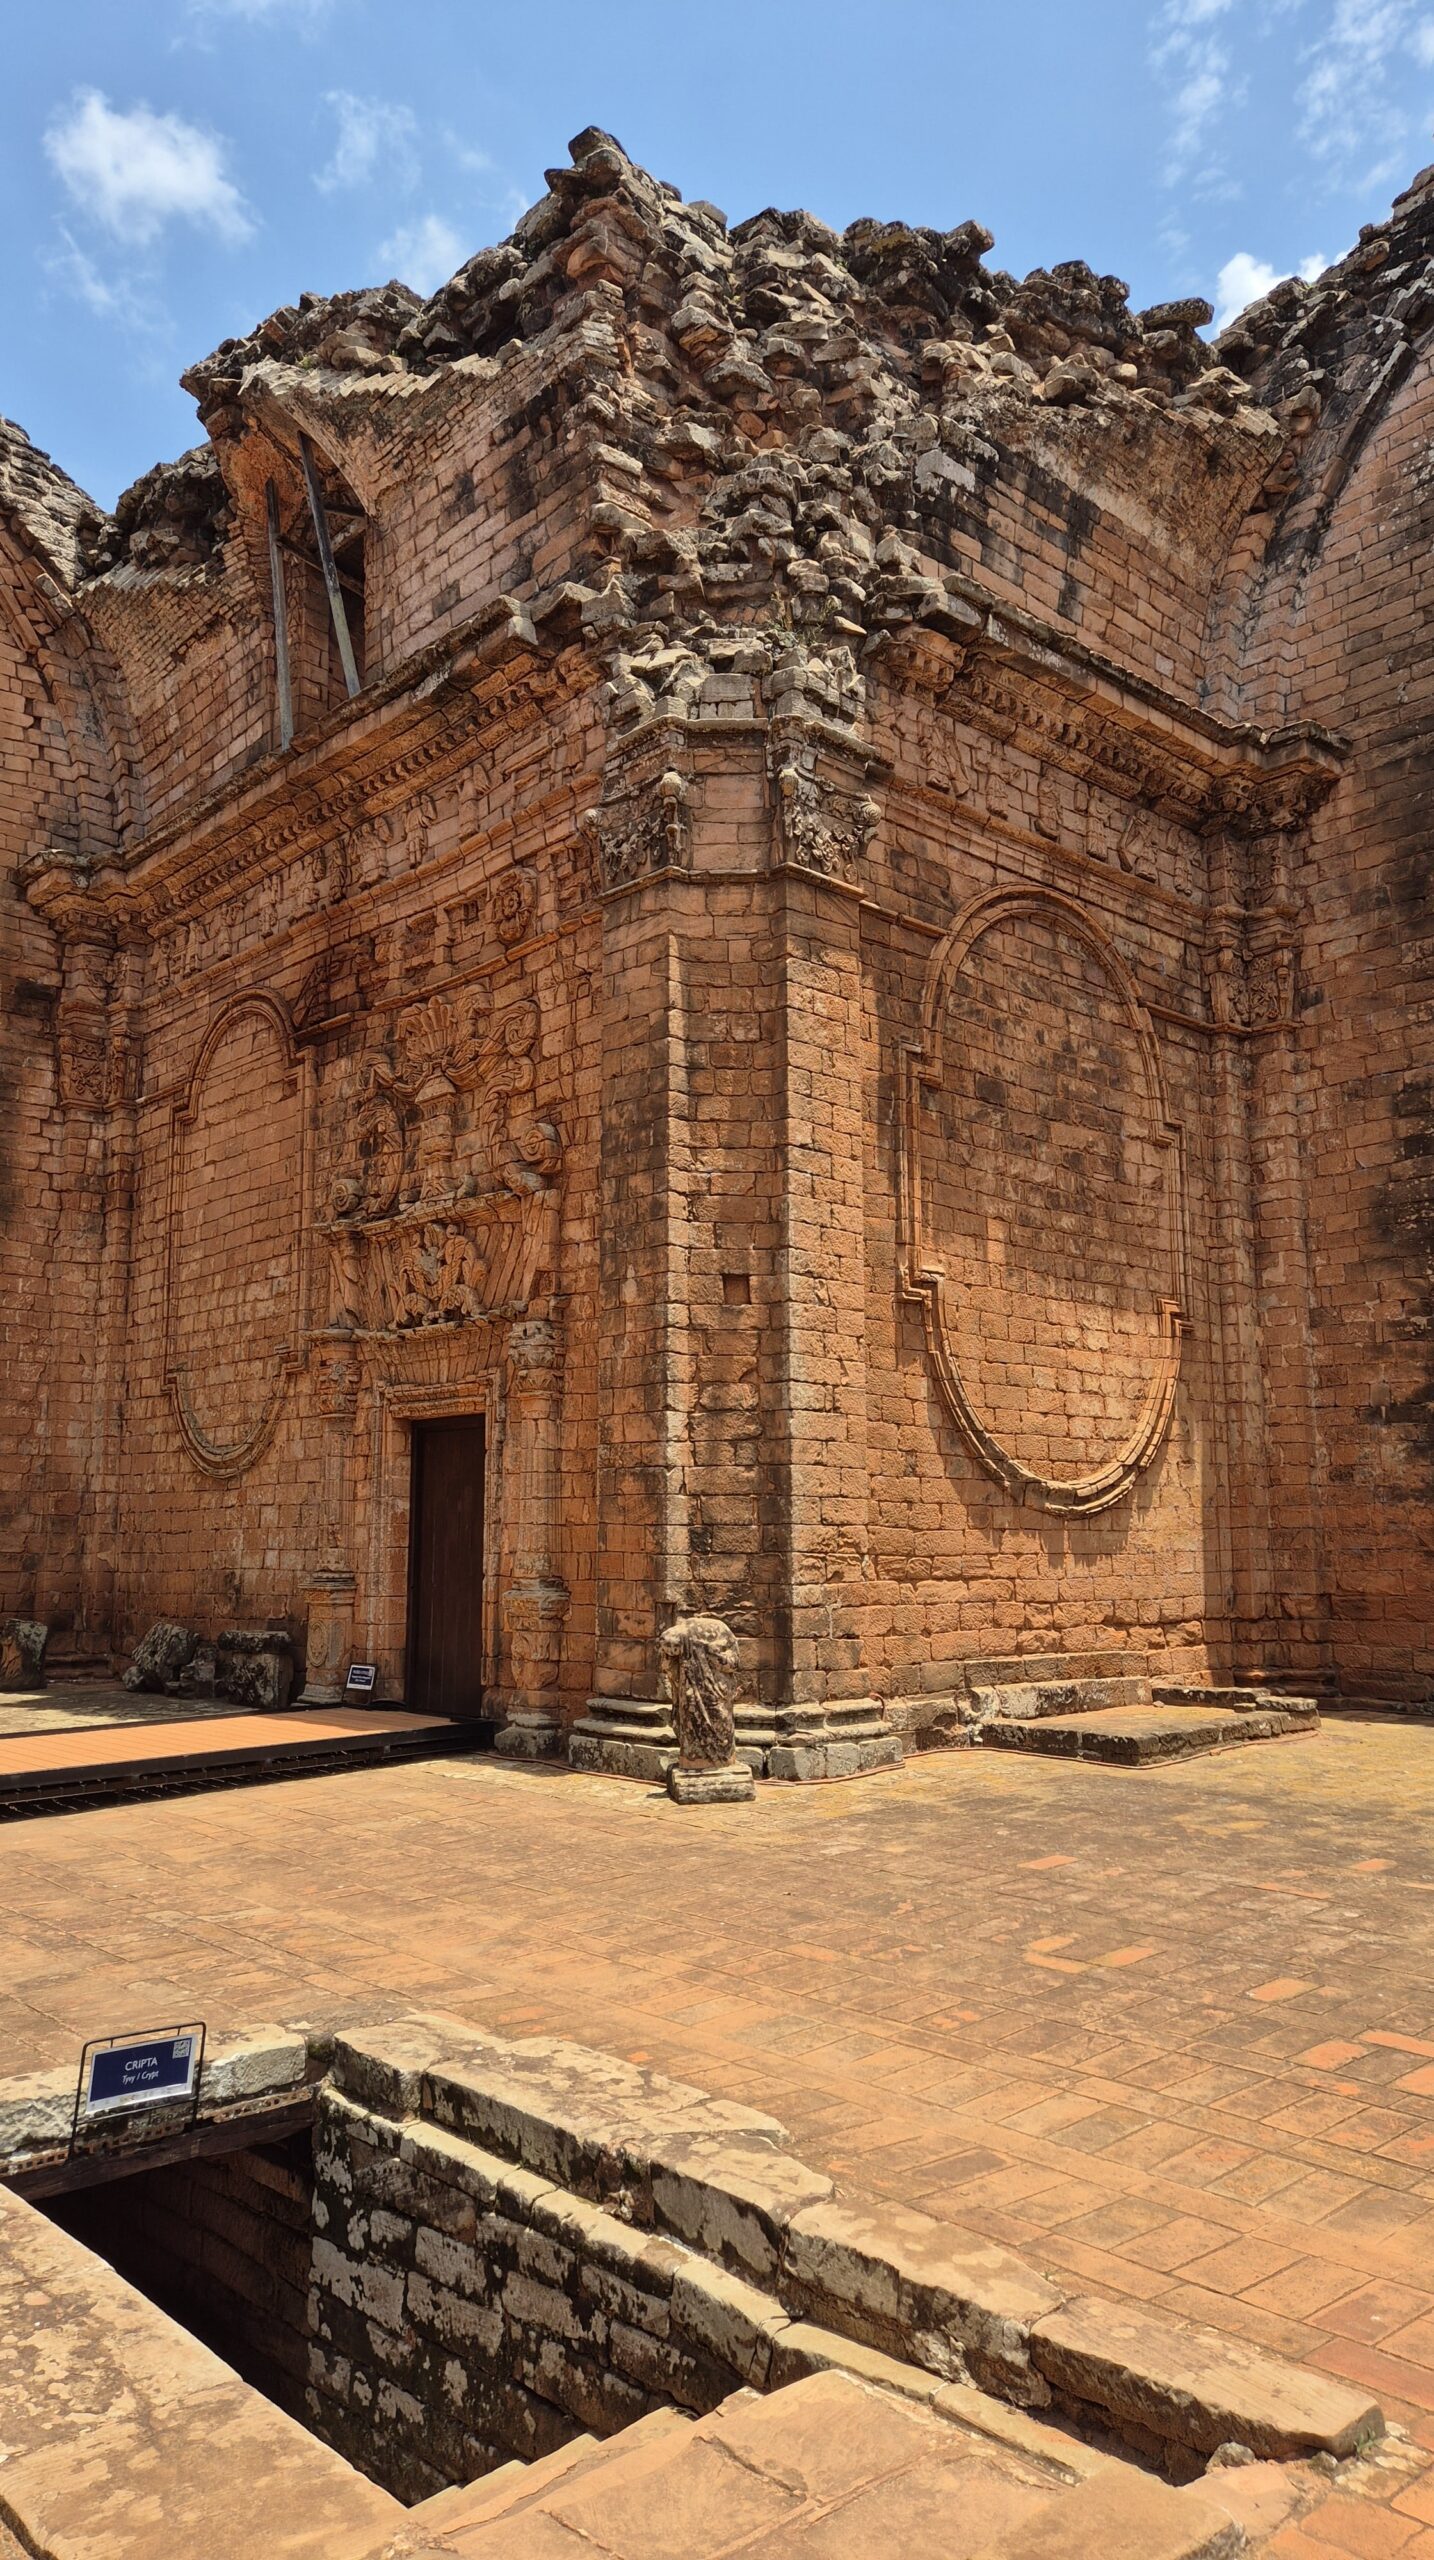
x,y
441,1144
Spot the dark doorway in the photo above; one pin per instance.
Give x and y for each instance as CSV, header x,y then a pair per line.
x,y
445,1579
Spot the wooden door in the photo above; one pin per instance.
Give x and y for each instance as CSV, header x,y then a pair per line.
x,y
445,1584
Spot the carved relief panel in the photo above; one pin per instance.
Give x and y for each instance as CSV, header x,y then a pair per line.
x,y
441,1157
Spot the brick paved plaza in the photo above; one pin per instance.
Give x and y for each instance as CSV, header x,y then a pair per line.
x,y
1169,2032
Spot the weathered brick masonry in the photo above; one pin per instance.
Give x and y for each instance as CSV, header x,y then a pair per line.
x,y
850,967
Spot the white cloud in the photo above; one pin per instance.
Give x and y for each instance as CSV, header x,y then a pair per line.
x,y
373,140
302,12
1357,113
1244,279
134,170
116,298
1203,80
423,254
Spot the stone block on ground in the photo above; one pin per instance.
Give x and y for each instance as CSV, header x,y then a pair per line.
x,y
254,1667
22,1654
160,1656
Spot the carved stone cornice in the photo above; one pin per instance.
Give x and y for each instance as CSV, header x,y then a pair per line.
x,y
1035,688
400,736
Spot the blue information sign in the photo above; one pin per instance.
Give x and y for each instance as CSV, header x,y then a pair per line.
x,y
140,2071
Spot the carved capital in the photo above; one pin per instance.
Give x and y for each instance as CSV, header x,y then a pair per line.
x,y
644,831
823,827
534,1356
336,1384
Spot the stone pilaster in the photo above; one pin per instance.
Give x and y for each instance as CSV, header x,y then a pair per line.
x,y
330,1591
535,1604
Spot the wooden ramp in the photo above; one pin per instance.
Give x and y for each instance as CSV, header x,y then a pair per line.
x,y
110,1764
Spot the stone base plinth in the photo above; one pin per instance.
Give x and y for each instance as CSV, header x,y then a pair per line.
x,y
835,1738
733,1785
624,1738
529,1736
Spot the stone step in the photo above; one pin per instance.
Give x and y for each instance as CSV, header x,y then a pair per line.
x,y
826,2466
1243,1701
1021,1670
1123,2515
456,2519
1133,1737
1015,1701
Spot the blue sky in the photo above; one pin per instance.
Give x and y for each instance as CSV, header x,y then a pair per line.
x,y
171,170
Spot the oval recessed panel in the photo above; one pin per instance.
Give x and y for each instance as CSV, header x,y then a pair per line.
x,y
235,1210
1046,1204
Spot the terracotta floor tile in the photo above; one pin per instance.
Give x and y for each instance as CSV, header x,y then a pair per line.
x,y
1416,2341
1354,2525
1304,2290
1179,2243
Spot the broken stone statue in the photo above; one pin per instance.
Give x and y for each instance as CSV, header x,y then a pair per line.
x,y
699,1675
22,1653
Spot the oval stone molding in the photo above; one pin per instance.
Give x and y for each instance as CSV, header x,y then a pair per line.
x,y
1043,1203
232,1312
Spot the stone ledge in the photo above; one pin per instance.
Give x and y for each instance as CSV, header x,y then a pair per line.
x,y
921,2288
716,2177
1164,2378
242,2071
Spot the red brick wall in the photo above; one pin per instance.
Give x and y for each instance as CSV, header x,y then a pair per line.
x,y
1341,635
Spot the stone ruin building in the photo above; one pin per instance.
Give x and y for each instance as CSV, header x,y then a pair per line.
x,y
737,921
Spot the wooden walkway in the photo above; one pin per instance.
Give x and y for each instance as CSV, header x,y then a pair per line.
x,y
105,1764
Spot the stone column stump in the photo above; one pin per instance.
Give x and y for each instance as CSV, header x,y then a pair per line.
x,y
699,1675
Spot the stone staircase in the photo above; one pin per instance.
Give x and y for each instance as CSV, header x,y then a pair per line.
x,y
1097,1707
830,2468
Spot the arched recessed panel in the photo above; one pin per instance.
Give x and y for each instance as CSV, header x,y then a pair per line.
x,y
236,1186
1043,1203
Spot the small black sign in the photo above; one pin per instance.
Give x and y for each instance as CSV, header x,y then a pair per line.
x,y
121,2073
360,1680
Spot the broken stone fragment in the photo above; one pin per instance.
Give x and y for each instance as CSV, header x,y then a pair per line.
x,y
22,1653
254,1667
160,1656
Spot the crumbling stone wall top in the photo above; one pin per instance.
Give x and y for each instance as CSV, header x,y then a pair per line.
x,y
44,504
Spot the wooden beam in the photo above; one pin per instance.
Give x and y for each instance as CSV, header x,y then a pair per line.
x,y
329,567
197,2142
281,618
